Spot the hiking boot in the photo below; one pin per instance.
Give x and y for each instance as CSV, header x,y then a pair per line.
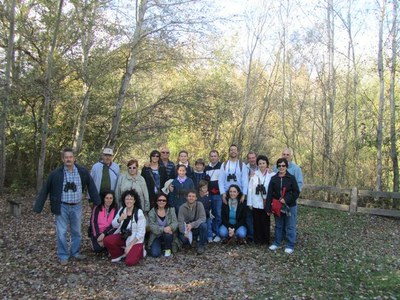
x,y
80,256
63,262
201,250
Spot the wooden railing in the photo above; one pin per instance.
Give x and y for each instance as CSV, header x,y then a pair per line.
x,y
352,200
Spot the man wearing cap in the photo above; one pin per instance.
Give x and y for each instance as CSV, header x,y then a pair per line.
x,y
105,172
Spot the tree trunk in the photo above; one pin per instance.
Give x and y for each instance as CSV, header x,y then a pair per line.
x,y
47,101
6,97
141,11
379,131
393,138
86,34
331,92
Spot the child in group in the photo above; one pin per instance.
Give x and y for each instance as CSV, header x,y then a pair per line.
x,y
199,173
206,201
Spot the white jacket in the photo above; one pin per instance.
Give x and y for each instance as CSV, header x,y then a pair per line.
x,y
138,229
253,199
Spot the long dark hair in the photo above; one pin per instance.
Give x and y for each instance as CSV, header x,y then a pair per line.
x,y
237,188
135,195
103,195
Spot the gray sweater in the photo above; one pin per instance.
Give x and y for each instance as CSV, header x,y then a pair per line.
x,y
194,215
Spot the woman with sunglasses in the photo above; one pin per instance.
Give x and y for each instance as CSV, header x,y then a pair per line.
x,y
155,176
162,224
133,181
283,186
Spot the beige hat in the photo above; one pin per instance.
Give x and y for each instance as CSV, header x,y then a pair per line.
x,y
108,151
165,189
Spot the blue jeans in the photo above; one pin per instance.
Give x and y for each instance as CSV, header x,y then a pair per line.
x,y
216,205
70,216
163,240
209,228
200,231
240,232
283,223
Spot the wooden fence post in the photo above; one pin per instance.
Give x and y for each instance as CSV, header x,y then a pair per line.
x,y
353,200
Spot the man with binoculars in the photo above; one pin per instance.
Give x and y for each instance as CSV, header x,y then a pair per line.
x,y
65,186
233,171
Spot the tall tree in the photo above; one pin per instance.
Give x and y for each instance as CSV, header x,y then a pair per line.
x,y
381,73
47,99
393,138
7,92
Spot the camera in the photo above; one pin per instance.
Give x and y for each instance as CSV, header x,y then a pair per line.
x,y
207,177
260,189
125,233
70,186
231,177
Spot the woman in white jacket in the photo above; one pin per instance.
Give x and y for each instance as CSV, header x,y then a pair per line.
x,y
128,240
256,200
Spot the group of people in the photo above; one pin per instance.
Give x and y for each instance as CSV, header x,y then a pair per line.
x,y
167,206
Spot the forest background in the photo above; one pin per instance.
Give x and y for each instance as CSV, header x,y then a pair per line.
x,y
318,76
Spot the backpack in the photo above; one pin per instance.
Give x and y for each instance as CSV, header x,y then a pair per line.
x,y
240,165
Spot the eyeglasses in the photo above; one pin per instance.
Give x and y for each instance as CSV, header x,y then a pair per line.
x,y
132,168
155,155
281,166
162,200
165,152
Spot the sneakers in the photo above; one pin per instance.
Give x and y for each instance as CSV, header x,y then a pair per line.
x,y
216,239
167,253
273,247
289,250
200,250
210,239
118,259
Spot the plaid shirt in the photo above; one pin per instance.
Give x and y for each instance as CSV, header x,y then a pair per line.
x,y
70,196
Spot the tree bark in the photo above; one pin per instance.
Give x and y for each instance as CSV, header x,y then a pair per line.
x,y
379,131
393,138
142,6
86,36
7,93
47,101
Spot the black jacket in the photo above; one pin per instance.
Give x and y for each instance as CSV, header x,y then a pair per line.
x,y
275,188
240,215
54,187
147,174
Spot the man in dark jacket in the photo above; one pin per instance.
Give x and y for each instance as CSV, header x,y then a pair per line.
x,y
65,185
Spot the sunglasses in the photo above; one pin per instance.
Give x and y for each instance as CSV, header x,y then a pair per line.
x,y
155,155
131,168
162,200
281,166
165,152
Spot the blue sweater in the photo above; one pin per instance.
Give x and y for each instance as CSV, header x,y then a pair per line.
x,y
177,197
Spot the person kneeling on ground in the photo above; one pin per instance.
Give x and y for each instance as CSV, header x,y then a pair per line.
x,y
163,224
101,219
127,241
233,217
192,222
